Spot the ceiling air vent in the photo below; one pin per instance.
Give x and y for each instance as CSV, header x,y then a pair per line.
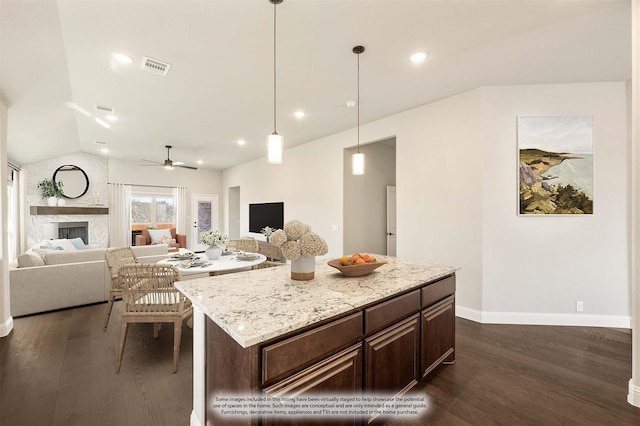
x,y
107,109
155,66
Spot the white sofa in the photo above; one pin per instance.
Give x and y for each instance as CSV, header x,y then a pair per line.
x,y
68,278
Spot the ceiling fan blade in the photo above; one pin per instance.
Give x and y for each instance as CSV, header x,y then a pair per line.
x,y
150,165
150,161
185,167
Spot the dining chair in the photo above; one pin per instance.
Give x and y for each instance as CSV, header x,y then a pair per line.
x,y
268,264
243,244
116,257
149,296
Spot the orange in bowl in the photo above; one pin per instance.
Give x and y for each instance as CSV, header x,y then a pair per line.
x,y
356,269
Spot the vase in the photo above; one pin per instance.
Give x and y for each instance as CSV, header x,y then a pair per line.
x,y
52,201
213,252
303,268
61,202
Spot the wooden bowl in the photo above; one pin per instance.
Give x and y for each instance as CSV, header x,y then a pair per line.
x,y
355,270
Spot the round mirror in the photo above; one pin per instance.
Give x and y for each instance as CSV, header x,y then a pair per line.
x,y
75,182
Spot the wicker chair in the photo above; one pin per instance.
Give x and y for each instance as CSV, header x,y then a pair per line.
x,y
243,244
115,258
148,295
268,264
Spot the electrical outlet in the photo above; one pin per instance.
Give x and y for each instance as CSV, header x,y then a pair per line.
x,y
579,306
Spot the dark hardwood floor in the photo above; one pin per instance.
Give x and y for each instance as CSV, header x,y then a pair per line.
x,y
59,369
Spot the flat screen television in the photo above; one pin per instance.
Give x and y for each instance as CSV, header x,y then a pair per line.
x,y
266,214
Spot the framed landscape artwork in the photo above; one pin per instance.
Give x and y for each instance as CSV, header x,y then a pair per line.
x,y
555,165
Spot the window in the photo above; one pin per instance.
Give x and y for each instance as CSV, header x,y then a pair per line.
x,y
152,210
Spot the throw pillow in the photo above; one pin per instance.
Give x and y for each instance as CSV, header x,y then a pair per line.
x,y
51,248
42,254
158,233
165,239
64,243
78,243
30,258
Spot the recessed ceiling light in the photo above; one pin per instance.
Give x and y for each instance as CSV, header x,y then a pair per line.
x,y
104,150
199,161
241,142
416,58
111,117
299,114
103,123
351,104
122,58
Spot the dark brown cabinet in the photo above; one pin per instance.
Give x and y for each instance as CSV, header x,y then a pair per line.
x,y
438,335
392,359
340,374
382,348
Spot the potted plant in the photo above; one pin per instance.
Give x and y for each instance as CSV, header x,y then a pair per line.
x,y
50,190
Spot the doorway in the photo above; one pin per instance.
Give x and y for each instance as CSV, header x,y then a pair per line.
x,y
234,212
365,198
204,211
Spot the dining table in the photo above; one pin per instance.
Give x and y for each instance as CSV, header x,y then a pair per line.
x,y
198,265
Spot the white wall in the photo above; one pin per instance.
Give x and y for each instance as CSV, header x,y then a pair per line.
x,y
6,321
545,264
365,198
456,202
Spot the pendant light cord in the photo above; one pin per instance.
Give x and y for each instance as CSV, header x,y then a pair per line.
x,y
358,100
274,68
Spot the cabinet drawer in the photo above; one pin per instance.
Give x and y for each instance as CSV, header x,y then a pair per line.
x,y
383,314
284,358
438,290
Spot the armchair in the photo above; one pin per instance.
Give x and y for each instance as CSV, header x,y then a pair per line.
x,y
144,239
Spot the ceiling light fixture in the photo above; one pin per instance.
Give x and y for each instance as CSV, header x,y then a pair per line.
x,y
357,160
416,58
275,142
111,117
241,142
299,114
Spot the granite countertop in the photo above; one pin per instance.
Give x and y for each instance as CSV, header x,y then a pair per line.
x,y
255,306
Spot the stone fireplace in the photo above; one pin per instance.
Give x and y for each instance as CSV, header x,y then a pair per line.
x,y
72,222
71,230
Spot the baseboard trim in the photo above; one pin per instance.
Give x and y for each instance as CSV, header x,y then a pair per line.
x,y
532,318
633,397
6,327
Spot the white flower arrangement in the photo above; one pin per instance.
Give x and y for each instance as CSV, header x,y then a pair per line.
x,y
212,238
296,239
267,231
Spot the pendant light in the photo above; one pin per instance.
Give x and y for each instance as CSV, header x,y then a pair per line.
x,y
275,142
357,160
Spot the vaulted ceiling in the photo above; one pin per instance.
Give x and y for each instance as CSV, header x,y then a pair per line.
x,y
219,88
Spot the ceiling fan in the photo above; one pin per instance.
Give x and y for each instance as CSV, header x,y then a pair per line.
x,y
168,164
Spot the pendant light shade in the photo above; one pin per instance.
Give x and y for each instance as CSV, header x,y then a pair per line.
x,y
275,142
357,164
357,160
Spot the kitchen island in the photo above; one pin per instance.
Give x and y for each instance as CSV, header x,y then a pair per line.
x,y
262,333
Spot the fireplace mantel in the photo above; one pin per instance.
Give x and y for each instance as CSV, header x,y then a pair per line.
x,y
66,210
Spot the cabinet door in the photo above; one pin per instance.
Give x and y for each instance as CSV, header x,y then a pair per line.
x,y
438,335
340,374
391,358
